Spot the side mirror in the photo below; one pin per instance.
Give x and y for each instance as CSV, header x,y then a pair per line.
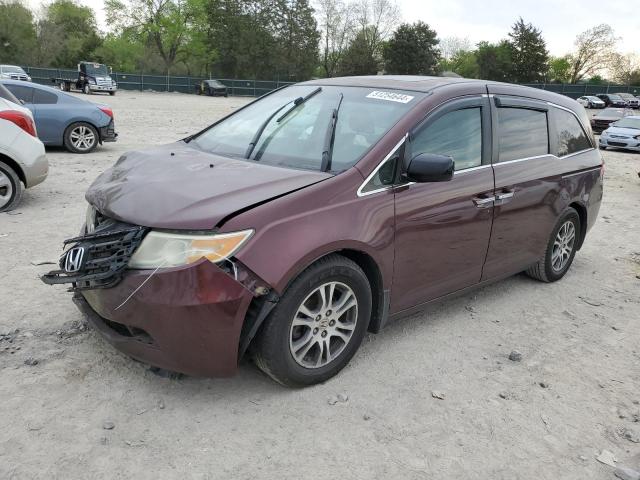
x,y
110,70
428,167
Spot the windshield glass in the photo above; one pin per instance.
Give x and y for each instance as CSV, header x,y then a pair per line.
x,y
297,140
615,97
612,112
96,69
628,123
12,69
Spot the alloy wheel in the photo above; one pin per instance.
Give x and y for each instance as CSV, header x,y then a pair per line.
x,y
82,138
6,189
323,325
563,246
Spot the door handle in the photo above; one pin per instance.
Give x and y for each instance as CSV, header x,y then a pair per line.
x,y
484,202
504,197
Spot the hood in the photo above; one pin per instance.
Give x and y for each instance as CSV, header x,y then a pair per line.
x,y
627,132
179,187
607,118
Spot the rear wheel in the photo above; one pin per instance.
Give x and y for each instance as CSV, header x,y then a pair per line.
x,y
561,249
10,188
318,325
81,137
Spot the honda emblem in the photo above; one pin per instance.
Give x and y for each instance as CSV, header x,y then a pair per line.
x,y
73,259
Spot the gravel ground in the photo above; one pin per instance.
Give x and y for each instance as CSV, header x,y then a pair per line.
x,y
72,407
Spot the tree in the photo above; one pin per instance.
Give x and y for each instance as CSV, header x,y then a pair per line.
x,y
624,68
464,63
559,69
451,46
594,49
164,23
296,34
337,23
67,34
494,61
358,59
529,54
18,40
412,50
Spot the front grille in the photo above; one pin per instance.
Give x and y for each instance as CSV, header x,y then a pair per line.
x,y
617,144
97,260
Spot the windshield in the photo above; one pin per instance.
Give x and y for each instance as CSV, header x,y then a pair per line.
x,y
594,99
12,69
298,139
615,97
612,112
628,123
96,69
7,95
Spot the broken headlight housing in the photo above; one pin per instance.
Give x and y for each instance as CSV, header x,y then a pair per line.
x,y
168,249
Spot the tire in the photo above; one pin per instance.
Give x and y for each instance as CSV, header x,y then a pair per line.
x,y
63,88
547,269
77,137
86,89
278,338
10,188
112,93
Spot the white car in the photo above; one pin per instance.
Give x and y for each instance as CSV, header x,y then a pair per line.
x,y
23,163
13,72
625,133
590,101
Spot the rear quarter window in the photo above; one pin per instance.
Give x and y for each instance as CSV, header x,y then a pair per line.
x,y
570,136
42,97
522,133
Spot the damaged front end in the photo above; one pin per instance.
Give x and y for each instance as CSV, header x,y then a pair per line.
x,y
197,318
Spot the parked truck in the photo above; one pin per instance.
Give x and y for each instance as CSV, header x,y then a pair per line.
x,y
92,77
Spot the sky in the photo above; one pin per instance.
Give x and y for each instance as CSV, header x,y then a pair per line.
x,y
559,20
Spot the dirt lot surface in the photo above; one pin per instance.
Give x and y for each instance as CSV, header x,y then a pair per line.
x,y
73,407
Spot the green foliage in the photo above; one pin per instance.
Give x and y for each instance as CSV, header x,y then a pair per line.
x,y
463,62
18,40
596,80
359,58
559,69
67,34
123,52
494,61
412,50
529,55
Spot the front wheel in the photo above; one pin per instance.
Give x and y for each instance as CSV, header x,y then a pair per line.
x,y
561,249
86,89
318,325
81,137
112,93
10,188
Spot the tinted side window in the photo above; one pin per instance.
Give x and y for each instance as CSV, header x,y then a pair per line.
x,y
570,136
23,93
522,133
457,134
41,97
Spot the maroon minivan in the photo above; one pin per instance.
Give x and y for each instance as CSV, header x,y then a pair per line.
x,y
327,209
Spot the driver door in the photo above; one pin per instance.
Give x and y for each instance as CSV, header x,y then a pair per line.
x,y
443,229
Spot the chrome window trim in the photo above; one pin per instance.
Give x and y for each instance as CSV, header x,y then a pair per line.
x,y
535,157
359,192
579,122
471,169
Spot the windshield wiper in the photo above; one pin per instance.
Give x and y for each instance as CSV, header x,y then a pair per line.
x,y
256,137
297,102
327,151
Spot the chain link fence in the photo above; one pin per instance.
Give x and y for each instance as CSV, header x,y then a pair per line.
x,y
161,83
256,88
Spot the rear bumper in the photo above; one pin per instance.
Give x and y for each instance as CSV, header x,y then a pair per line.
x,y
186,319
108,133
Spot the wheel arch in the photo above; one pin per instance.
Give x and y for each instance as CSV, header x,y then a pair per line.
x,y
15,166
582,213
261,307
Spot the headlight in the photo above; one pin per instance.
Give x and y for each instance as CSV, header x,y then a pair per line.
x,y
92,81
161,249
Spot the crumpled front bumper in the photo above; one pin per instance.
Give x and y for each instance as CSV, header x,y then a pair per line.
x,y
187,319
627,143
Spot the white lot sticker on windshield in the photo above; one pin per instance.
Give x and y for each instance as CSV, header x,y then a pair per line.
x,y
390,96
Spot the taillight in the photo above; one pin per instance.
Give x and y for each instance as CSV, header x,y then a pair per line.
x,y
22,120
107,110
